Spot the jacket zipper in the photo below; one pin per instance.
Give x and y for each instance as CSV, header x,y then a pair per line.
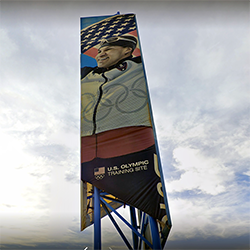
x,y
97,103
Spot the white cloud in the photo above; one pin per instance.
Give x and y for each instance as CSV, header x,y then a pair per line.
x,y
25,182
201,173
247,173
7,47
206,217
18,186
39,137
35,39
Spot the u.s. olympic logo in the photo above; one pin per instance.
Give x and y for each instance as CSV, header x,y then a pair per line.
x,y
99,173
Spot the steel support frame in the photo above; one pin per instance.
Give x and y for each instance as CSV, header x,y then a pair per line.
x,y
137,236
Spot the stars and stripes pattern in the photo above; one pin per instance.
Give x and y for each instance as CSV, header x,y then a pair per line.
x,y
98,171
112,26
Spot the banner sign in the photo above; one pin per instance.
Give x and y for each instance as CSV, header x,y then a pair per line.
x,y
118,144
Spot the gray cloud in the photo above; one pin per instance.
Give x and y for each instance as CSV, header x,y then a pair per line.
x,y
56,153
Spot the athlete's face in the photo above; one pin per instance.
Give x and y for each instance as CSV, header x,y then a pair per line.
x,y
110,55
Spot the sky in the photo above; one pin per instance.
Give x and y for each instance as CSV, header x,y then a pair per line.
x,y
196,55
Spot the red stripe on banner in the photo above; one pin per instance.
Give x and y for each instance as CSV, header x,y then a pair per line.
x,y
137,52
133,33
116,142
91,52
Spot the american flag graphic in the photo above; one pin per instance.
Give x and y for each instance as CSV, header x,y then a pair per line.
x,y
112,26
98,171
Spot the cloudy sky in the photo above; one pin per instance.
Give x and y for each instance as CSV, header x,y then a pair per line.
x,y
196,56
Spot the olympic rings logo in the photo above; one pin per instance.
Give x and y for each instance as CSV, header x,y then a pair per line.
x,y
121,102
100,176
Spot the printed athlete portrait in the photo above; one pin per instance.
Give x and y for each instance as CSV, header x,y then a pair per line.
x,y
114,102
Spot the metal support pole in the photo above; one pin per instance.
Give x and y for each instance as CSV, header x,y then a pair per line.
x,y
143,225
97,220
117,227
134,224
155,233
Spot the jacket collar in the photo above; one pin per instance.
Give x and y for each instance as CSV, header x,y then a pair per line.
x,y
102,70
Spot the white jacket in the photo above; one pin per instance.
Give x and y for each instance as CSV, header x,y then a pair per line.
x,y
114,99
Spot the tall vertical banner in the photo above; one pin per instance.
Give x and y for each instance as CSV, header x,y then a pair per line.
x,y
119,153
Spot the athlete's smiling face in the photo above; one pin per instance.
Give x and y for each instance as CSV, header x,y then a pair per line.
x,y
109,55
